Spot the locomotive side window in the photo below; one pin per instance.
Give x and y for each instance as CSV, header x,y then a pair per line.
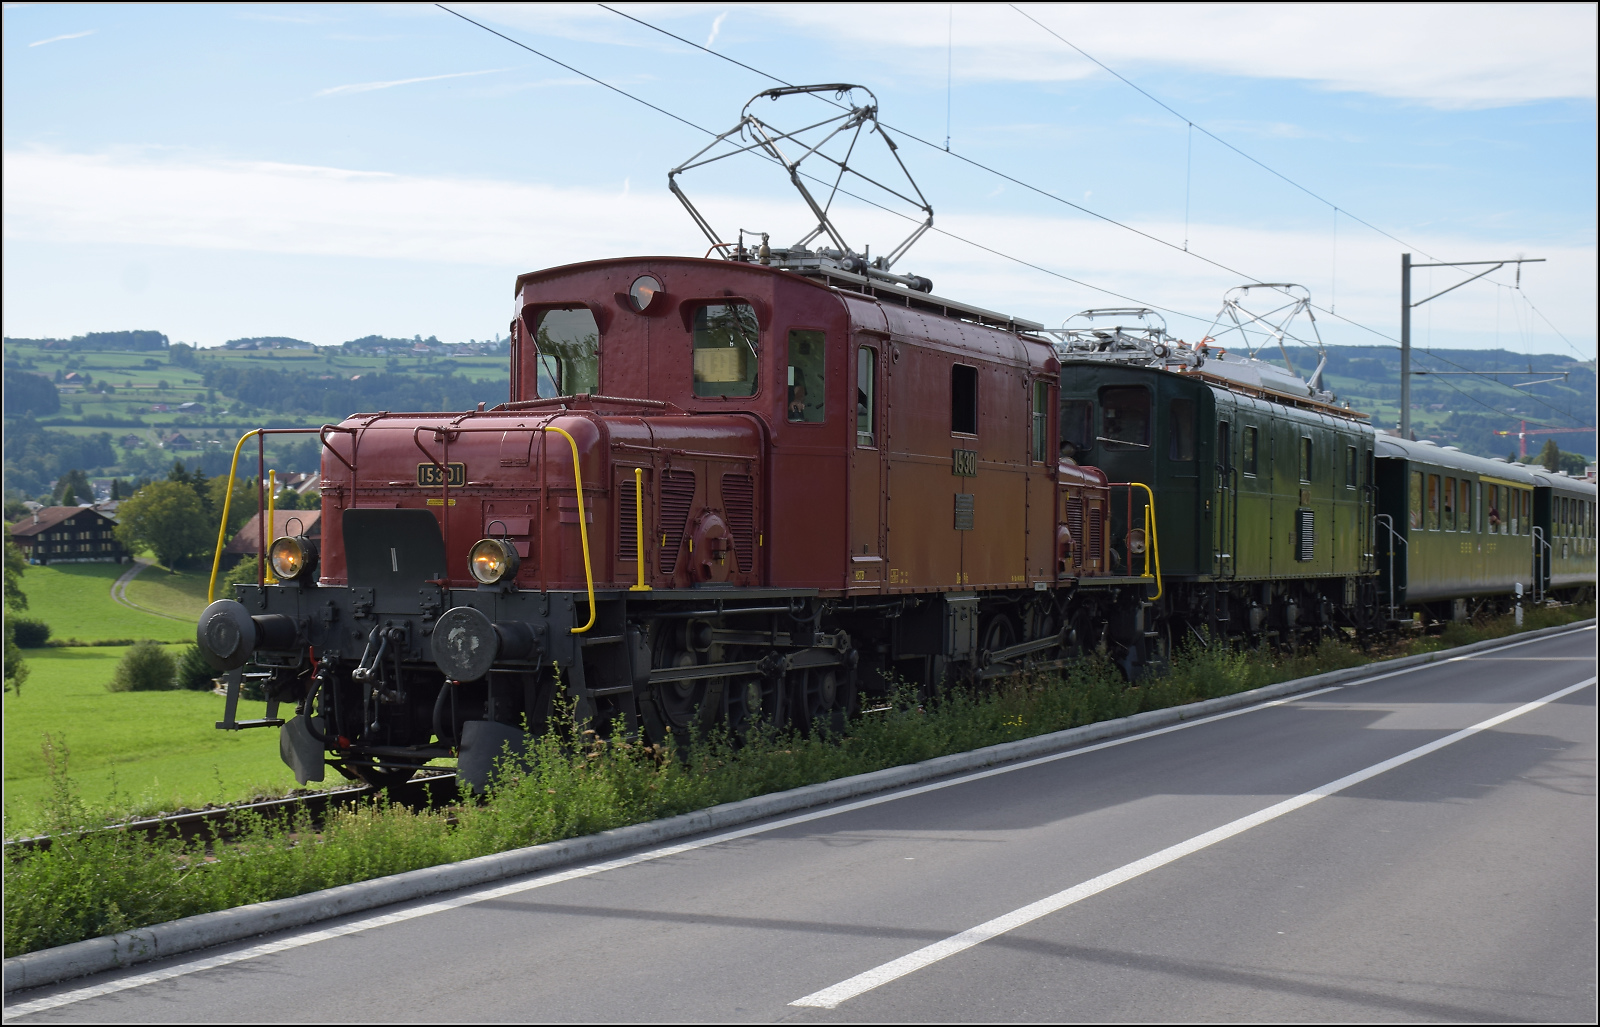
x,y
963,400
1350,462
1125,415
1041,420
805,375
866,397
1248,446
569,352
1305,458
1433,502
1416,499
1077,428
1180,430
726,350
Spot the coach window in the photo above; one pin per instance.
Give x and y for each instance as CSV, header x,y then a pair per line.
x,y
1433,502
726,350
1180,430
569,352
805,379
1513,501
1247,447
1125,415
1041,420
1351,460
1492,510
866,397
1077,428
1449,504
1305,458
963,400
1464,506
1477,496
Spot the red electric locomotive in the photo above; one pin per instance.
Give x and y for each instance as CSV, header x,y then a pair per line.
x,y
796,483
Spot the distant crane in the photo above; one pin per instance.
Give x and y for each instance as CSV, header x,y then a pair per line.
x,y
1522,436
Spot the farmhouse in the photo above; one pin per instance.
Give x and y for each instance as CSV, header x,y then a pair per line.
x,y
68,534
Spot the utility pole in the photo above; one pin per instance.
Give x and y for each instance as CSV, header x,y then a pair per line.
x,y
1406,307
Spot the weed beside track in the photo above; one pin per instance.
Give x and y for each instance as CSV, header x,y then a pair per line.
x,y
95,882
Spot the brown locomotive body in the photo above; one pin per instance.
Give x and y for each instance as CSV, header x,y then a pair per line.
x,y
793,486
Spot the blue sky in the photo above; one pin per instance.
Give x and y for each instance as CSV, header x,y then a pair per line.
x,y
327,172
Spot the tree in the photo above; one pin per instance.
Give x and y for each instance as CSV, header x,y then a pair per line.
x,y
167,518
1574,463
1550,456
246,500
16,672
69,496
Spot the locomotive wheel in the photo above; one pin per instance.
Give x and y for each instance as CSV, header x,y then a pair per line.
x,y
823,697
999,632
751,701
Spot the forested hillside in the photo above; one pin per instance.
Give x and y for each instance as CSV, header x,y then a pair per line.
x,y
129,404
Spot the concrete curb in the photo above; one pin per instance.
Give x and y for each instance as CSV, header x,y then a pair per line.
x,y
96,955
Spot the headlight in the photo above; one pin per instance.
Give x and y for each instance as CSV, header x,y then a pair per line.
x,y
493,559
1136,541
293,557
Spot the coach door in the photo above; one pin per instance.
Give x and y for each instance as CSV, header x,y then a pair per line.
x,y
867,467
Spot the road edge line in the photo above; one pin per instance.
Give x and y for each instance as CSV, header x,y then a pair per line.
x,y
206,930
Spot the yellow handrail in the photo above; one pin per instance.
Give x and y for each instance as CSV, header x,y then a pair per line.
x,y
227,504
638,521
583,527
1152,549
272,523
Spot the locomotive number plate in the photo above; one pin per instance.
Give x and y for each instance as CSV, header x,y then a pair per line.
x,y
430,477
964,463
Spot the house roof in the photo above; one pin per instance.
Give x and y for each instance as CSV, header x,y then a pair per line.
x,y
47,517
247,539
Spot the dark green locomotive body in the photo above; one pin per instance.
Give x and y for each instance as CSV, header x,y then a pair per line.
x,y
1248,487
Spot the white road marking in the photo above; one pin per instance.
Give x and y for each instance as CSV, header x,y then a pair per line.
x,y
559,877
830,998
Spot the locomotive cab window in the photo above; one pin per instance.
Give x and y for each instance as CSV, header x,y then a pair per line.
x,y
568,342
1180,430
1077,428
866,397
805,377
726,350
963,400
1247,448
1125,415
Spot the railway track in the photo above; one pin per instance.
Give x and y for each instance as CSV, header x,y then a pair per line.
x,y
214,824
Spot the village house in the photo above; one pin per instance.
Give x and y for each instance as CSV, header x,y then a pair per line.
x,y
247,541
68,534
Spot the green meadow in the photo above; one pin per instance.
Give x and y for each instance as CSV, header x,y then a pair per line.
x,y
129,751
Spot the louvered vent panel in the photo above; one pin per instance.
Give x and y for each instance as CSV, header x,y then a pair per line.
x,y
1075,527
739,501
1097,535
1305,535
627,517
677,498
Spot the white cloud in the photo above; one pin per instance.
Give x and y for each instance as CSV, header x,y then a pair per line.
x,y
456,225
57,39
1448,55
367,87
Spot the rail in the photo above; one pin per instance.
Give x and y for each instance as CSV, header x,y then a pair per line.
x,y
1152,547
638,522
1386,522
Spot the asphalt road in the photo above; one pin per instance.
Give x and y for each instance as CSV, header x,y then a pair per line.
x,y
1456,884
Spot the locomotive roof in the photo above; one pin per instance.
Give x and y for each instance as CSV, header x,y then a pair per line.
x,y
833,279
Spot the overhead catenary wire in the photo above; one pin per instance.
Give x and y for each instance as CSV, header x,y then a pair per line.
x,y
701,128
935,146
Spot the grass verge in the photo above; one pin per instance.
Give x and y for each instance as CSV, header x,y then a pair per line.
x,y
132,752
109,881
